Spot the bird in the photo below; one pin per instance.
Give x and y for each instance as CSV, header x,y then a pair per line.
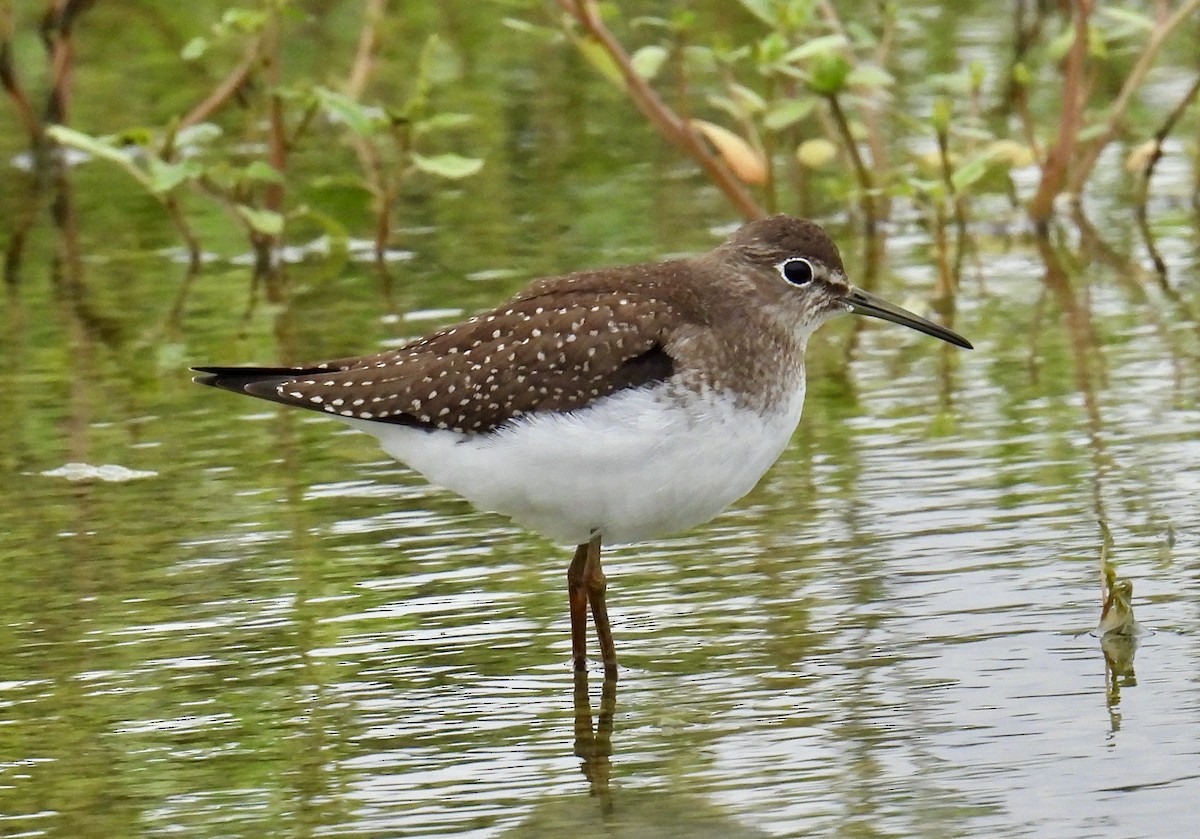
x,y
605,406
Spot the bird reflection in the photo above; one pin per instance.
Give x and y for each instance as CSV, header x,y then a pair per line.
x,y
623,811
593,745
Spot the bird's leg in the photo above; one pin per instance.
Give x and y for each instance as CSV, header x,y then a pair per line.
x,y
577,596
593,578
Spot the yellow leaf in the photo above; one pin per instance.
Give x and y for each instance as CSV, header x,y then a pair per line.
x,y
743,160
1140,156
816,153
1011,153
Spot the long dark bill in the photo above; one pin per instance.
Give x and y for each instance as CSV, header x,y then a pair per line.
x,y
865,303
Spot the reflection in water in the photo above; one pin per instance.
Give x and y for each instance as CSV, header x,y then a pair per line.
x,y
281,635
1118,630
623,810
1118,650
593,745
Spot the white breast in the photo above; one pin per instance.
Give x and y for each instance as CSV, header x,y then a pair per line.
x,y
640,463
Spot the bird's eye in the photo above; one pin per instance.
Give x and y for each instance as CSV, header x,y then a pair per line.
x,y
796,271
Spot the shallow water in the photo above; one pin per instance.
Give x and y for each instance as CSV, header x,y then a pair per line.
x,y
265,627
280,631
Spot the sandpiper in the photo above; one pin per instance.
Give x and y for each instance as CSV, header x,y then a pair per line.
x,y
605,406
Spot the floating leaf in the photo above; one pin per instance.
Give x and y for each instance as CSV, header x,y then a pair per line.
x,y
106,472
449,165
742,158
649,60
816,153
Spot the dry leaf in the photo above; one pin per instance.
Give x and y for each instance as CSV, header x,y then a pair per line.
x,y
741,157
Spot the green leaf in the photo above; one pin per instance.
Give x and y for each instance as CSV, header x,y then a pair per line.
x,y
943,113
699,60
449,165
164,177
829,74
247,21
970,172
977,73
789,112
267,222
194,49
98,147
724,103
440,62
649,60
764,10
748,100
262,172
1128,17
360,119
595,54
771,51
200,134
956,84
870,76
548,34
1061,43
444,122
815,47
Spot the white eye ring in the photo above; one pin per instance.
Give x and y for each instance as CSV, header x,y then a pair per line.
x,y
797,270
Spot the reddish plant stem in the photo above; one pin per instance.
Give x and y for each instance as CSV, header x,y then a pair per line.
x,y
1058,158
57,26
368,45
8,77
866,183
1090,153
668,123
227,89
